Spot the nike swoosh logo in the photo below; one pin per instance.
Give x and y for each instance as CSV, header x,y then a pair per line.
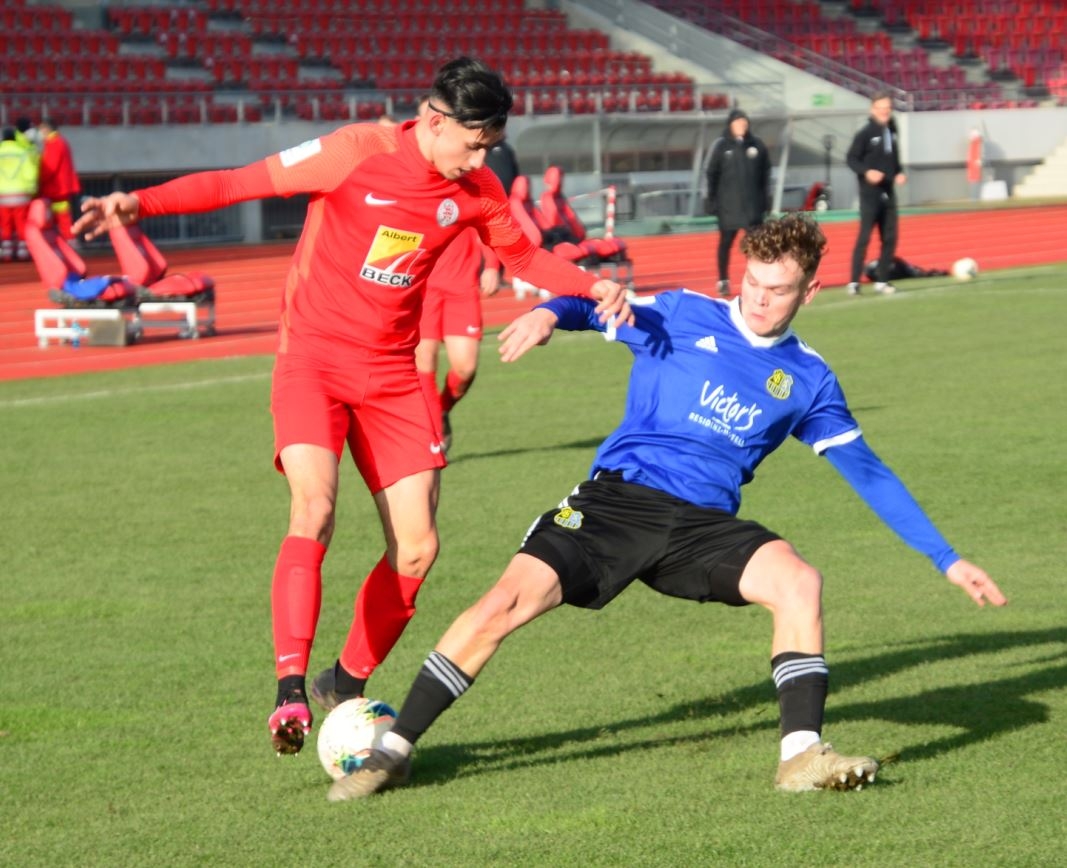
x,y
285,657
371,199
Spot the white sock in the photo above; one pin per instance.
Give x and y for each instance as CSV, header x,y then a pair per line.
x,y
797,742
397,745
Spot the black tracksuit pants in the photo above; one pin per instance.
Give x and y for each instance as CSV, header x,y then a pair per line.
x,y
877,208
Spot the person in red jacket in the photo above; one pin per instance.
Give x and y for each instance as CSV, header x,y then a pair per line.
x,y
385,202
58,179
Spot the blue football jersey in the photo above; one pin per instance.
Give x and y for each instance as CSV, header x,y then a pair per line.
x,y
708,398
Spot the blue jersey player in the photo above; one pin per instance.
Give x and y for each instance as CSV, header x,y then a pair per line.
x,y
716,386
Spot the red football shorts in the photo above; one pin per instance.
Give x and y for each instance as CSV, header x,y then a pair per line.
x,y
452,305
377,407
450,313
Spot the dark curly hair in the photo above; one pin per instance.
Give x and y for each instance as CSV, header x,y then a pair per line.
x,y
792,235
472,94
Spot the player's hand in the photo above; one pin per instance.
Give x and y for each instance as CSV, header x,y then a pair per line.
x,y
976,582
526,332
873,176
489,281
900,178
100,213
612,302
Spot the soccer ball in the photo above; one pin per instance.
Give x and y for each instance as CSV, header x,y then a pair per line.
x,y
964,269
349,733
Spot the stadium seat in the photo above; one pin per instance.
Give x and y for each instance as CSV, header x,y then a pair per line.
x,y
143,264
64,273
556,210
526,215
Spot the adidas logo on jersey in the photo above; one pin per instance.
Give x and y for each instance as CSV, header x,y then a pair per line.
x,y
708,344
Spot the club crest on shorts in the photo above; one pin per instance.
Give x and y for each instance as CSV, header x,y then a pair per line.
x,y
447,213
780,384
569,518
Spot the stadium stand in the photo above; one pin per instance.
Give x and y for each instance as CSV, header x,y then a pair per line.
x,y
227,61
247,60
962,54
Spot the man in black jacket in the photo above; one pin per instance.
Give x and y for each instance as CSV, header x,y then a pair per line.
x,y
875,158
738,176
505,165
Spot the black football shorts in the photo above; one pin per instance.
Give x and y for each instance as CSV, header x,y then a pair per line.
x,y
608,533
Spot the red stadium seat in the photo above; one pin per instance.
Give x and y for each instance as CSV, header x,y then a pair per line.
x,y
63,272
556,210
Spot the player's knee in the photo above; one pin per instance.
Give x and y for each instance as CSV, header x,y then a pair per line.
x,y
801,589
414,558
312,517
465,376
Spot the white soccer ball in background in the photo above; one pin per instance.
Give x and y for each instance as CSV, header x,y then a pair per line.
x,y
349,733
964,269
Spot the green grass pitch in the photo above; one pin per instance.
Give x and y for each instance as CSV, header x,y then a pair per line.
x,y
140,520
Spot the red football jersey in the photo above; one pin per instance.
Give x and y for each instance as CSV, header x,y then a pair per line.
x,y
379,218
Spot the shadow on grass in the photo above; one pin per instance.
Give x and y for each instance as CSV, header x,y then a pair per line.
x,y
981,711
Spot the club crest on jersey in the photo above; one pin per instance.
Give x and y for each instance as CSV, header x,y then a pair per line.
x,y
569,518
780,384
392,256
447,213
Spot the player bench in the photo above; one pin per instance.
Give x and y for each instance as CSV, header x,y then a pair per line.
x,y
116,327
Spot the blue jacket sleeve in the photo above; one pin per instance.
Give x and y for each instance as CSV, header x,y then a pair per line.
x,y
575,313
884,493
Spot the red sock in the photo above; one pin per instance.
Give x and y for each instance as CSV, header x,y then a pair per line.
x,y
383,608
428,381
296,595
454,389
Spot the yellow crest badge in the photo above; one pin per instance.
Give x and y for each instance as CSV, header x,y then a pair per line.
x,y
568,518
780,384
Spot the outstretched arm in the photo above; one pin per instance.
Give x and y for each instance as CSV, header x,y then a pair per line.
x,y
200,191
530,330
883,492
100,213
976,582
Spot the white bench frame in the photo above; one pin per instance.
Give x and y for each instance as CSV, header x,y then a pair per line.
x,y
59,323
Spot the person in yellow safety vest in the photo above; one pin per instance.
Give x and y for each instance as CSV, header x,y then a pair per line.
x,y
19,168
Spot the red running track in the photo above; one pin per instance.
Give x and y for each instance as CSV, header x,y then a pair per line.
x,y
249,281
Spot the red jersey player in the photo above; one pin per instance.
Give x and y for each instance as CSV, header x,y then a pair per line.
x,y
452,315
385,203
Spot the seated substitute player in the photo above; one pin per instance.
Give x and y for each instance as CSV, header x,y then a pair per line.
x,y
715,387
385,203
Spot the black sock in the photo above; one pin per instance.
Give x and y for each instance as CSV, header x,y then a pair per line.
x,y
291,687
802,681
439,683
345,683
